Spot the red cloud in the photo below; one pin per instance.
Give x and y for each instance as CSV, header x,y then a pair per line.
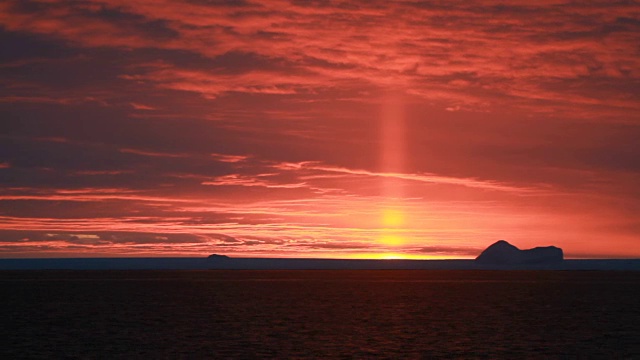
x,y
454,53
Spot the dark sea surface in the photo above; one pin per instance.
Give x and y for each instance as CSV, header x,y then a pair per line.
x,y
320,314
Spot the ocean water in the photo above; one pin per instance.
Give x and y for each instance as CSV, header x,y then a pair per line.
x,y
320,314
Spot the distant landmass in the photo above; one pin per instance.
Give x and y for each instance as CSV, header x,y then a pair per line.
x,y
503,253
498,256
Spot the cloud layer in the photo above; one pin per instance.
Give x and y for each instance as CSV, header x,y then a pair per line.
x,y
295,128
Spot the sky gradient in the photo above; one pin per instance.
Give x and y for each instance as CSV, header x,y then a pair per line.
x,y
318,128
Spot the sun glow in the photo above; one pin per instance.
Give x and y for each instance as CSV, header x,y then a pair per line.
x,y
392,159
397,256
392,218
391,240
392,221
393,256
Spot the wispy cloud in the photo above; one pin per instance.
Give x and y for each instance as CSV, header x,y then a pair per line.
x,y
152,153
142,106
421,177
239,180
229,158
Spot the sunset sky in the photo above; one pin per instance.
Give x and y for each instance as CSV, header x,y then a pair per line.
x,y
415,129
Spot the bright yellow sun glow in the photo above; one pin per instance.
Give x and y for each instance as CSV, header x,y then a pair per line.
x,y
392,221
391,240
392,218
399,256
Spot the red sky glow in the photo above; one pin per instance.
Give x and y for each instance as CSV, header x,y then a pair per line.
x,y
343,129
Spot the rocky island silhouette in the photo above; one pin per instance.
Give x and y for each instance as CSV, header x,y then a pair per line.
x,y
503,253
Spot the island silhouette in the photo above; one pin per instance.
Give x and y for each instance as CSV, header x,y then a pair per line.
x,y
500,255
503,253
